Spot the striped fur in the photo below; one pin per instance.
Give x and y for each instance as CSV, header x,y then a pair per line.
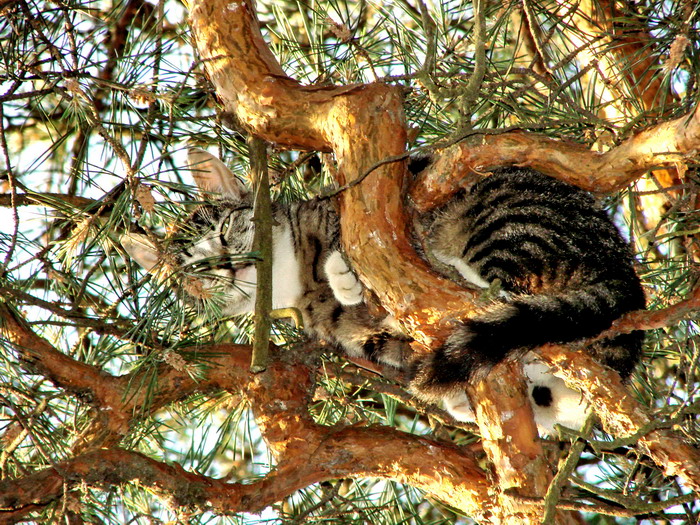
x,y
564,270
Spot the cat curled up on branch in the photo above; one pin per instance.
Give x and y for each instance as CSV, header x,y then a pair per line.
x,y
562,270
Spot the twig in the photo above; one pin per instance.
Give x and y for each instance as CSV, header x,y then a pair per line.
x,y
471,90
356,181
566,468
13,195
262,244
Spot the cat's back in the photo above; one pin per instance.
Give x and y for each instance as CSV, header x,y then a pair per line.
x,y
313,222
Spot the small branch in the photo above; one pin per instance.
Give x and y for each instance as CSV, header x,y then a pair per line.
x,y
63,370
632,504
471,90
566,468
117,327
365,379
531,34
611,510
262,244
354,182
652,319
426,70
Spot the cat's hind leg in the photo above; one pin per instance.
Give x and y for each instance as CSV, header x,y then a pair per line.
x,y
552,401
459,407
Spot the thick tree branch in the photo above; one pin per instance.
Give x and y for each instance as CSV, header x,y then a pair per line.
x,y
461,164
307,452
117,399
109,467
361,125
63,370
625,55
512,444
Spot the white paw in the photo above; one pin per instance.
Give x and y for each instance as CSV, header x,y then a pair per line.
x,y
345,285
552,401
459,407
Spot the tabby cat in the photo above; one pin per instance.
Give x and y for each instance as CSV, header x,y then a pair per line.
x,y
563,272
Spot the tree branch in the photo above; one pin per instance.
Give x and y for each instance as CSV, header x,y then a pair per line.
x,y
511,443
461,164
459,481
362,125
262,244
652,319
307,452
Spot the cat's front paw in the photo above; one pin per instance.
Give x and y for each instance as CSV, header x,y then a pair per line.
x,y
345,285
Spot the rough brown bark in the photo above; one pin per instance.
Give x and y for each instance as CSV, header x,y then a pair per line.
x,y
107,467
615,37
362,125
461,164
511,442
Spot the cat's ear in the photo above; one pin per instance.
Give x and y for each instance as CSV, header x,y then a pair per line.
x,y
140,249
212,175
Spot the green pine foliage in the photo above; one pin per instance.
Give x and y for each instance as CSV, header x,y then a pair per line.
x,y
97,102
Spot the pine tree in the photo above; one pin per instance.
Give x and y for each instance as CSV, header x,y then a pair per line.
x,y
121,403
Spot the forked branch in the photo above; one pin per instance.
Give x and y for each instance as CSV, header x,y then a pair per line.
x,y
307,452
362,125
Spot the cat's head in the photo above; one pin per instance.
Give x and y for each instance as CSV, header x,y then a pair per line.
x,y
208,255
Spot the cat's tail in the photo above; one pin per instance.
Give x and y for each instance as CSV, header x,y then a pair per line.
x,y
524,322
